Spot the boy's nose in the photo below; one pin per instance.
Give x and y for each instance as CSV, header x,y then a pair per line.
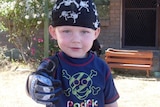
x,y
76,37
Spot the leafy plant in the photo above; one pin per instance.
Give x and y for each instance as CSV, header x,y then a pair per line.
x,y
103,8
22,19
3,58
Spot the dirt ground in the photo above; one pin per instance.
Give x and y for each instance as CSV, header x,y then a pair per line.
x,y
134,91
138,92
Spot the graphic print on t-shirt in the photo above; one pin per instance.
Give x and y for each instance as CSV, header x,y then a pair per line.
x,y
81,84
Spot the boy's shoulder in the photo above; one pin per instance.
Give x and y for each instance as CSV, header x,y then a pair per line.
x,y
100,61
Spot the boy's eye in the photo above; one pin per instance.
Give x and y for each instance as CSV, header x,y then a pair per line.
x,y
85,32
66,31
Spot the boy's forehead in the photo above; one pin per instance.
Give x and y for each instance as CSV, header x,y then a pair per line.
x,y
81,13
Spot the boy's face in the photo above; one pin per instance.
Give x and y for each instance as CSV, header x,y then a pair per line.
x,y
74,41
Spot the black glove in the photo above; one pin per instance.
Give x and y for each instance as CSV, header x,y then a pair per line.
x,y
42,87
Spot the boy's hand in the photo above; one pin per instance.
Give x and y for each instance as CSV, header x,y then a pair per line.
x,y
43,88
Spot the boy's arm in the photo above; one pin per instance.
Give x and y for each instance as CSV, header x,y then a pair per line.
x,y
114,104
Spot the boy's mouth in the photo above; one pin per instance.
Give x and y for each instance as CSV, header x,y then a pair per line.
x,y
75,48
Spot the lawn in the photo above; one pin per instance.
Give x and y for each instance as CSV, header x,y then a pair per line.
x,y
134,91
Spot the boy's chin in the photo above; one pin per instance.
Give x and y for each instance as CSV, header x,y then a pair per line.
x,y
77,55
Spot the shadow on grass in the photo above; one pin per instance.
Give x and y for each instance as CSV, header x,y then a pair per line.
x,y
136,74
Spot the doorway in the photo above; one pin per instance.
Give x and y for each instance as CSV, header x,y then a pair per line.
x,y
140,19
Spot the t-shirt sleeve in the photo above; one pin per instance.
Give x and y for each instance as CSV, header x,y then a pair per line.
x,y
111,94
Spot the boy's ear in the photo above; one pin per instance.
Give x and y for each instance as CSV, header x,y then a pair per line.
x,y
52,32
97,32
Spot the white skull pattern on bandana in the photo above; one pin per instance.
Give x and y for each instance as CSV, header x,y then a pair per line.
x,y
75,12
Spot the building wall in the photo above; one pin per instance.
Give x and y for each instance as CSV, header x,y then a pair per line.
x,y
110,29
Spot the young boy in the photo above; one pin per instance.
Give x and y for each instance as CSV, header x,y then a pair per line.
x,y
74,77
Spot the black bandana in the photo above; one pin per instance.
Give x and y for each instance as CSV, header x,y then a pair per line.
x,y
81,13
